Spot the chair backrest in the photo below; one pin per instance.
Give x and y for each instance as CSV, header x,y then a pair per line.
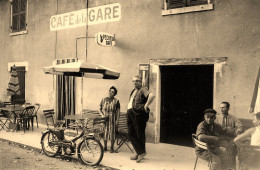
x,y
28,111
96,124
49,115
7,103
37,107
198,143
122,122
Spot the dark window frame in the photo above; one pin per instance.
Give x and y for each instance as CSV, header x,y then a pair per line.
x,y
172,4
18,15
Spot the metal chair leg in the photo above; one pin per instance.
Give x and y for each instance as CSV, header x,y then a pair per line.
x,y
37,120
196,162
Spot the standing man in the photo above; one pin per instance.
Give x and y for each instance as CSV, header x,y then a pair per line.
x,y
137,116
227,121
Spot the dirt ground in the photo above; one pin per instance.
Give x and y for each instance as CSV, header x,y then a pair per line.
x,y
14,156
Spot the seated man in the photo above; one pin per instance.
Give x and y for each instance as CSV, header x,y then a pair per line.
x,y
231,124
209,132
228,121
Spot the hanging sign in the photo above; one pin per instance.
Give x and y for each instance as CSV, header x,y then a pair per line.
x,y
105,39
144,73
96,15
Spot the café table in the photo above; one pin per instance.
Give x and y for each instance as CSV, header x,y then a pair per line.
x,y
228,155
14,112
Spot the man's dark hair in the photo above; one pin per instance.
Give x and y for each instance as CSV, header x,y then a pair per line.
x,y
113,89
227,104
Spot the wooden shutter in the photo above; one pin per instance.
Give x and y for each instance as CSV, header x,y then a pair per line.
x,y
196,2
176,3
20,99
15,12
23,4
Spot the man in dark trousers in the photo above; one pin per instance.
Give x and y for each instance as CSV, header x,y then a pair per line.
x,y
137,116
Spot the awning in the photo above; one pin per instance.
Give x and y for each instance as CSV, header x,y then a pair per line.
x,y
82,69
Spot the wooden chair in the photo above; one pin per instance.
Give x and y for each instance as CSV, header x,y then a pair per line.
x,y
8,103
49,115
201,145
122,132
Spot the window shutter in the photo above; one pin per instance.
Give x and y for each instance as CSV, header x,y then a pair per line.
x,y
176,3
23,14
196,2
23,5
15,15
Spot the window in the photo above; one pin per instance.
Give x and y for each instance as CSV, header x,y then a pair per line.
x,y
184,6
18,15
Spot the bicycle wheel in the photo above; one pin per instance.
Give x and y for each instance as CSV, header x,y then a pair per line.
x,y
49,142
90,151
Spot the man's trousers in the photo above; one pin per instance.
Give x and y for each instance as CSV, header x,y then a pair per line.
x,y
136,122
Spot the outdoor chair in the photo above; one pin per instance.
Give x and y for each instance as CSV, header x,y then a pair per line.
x,y
96,126
202,145
49,115
8,103
25,117
4,118
122,132
37,107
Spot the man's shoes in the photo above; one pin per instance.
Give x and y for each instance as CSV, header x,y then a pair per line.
x,y
134,157
140,157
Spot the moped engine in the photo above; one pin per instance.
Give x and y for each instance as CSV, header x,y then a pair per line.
x,y
69,149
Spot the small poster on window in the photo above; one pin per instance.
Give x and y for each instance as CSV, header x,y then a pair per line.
x,y
144,73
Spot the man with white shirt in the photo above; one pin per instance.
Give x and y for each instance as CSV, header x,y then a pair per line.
x,y
137,116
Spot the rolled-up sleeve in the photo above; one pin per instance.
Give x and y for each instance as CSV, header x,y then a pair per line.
x,y
200,130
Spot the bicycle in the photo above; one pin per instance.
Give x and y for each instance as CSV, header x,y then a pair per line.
x,y
89,150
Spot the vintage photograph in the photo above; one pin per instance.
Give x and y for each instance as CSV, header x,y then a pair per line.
x,y
130,84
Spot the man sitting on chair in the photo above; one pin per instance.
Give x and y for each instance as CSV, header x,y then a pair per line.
x,y
209,132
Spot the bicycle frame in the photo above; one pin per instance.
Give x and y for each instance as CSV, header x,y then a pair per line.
x,y
60,134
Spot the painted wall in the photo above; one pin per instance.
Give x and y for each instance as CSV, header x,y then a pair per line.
x,y
39,47
230,30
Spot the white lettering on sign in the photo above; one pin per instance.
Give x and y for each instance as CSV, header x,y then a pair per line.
x,y
96,15
105,39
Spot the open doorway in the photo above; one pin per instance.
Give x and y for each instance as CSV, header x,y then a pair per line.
x,y
186,90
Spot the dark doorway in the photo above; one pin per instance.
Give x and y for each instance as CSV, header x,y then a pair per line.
x,y
20,99
186,91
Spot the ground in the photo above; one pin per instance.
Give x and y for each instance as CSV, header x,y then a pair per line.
x,y
14,156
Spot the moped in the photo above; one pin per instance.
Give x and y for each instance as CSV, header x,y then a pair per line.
x,y
89,150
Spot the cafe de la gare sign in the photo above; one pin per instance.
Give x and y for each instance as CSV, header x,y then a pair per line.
x,y
96,15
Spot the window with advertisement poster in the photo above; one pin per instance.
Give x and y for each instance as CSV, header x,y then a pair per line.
x,y
144,73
